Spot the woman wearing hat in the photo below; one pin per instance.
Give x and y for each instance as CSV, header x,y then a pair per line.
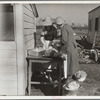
x,y
71,65
49,32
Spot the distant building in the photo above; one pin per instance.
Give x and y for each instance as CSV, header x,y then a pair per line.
x,y
94,26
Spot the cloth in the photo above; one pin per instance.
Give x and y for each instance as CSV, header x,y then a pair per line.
x,y
70,49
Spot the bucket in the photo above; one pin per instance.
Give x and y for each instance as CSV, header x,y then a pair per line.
x,y
69,92
80,76
66,91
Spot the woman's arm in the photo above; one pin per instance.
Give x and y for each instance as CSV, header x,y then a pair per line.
x,y
43,40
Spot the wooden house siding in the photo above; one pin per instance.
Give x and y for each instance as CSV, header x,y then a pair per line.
x,y
29,22
25,26
8,68
13,64
29,28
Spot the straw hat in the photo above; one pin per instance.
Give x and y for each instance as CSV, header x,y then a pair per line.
x,y
47,21
59,20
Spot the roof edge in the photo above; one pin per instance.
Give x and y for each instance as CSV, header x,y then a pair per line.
x,y
34,7
93,9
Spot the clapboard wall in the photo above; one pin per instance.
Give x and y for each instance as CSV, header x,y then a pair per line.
x,y
25,26
29,24
29,21
8,70
8,65
13,64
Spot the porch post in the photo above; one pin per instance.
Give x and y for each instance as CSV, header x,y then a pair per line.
x,y
18,20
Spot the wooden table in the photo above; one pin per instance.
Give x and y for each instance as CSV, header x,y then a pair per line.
x,y
32,59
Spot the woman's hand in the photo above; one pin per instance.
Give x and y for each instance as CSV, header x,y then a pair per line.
x,y
64,55
45,46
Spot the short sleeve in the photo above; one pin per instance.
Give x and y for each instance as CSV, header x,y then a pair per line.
x,y
42,34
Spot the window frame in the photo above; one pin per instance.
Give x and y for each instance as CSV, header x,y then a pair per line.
x,y
97,24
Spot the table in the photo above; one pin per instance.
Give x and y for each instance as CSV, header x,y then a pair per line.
x,y
33,59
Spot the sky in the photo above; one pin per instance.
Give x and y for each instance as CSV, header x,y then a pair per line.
x,y
72,13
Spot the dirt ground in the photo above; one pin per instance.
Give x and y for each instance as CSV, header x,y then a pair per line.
x,y
90,87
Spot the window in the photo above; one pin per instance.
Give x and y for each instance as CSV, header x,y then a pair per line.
x,y
90,25
6,22
96,24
